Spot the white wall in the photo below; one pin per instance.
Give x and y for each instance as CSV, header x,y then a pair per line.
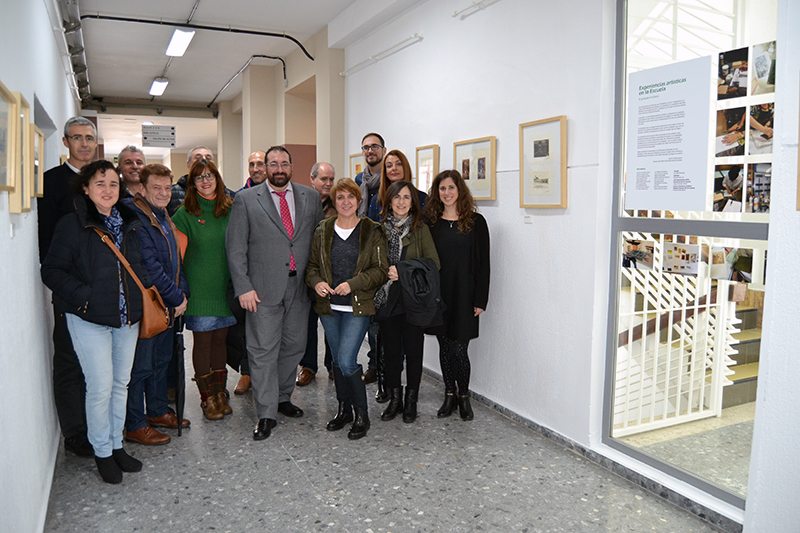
x,y
29,433
775,462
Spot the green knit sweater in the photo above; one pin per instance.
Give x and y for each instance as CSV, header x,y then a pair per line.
x,y
206,262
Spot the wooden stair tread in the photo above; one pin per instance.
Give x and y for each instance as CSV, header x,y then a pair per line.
x,y
741,372
748,335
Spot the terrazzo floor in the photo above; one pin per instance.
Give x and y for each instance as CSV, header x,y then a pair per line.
x,y
491,474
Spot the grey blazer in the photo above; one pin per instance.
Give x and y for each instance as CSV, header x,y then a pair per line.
x,y
259,246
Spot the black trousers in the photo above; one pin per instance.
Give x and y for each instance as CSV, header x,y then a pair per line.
x,y
398,338
69,387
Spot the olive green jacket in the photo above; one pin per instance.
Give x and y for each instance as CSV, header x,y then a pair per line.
x,y
371,268
418,243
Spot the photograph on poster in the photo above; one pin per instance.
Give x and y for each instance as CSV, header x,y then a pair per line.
x,y
732,74
543,163
357,164
759,179
763,78
7,138
730,137
638,254
761,121
479,176
681,258
427,166
728,188
38,161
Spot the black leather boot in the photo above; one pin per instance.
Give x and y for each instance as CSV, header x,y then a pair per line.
x,y
448,406
358,396
381,395
464,408
395,406
410,407
345,413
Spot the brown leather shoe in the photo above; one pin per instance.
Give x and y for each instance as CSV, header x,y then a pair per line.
x,y
243,385
147,436
305,377
169,420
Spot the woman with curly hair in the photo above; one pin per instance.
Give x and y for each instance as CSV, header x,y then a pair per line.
x,y
462,240
203,219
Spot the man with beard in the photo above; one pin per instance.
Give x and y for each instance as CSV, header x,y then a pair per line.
x,y
130,163
268,242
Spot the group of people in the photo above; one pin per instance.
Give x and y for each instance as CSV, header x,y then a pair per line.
x,y
240,270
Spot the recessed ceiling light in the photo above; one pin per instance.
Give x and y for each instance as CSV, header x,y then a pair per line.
x,y
159,86
179,43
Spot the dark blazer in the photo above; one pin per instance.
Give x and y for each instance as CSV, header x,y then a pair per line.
x,y
83,272
259,247
159,249
57,201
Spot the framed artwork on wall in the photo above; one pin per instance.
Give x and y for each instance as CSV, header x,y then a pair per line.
x,y
475,160
19,199
8,136
37,157
427,166
543,163
357,164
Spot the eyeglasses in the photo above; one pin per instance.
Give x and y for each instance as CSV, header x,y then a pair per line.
x,y
371,148
78,138
205,177
284,166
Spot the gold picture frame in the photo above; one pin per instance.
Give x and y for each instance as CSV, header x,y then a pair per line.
x,y
8,137
543,163
427,166
37,158
19,199
357,164
475,159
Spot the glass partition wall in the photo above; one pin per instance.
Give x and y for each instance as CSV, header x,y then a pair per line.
x,y
690,235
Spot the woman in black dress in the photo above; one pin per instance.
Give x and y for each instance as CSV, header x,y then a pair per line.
x,y
462,240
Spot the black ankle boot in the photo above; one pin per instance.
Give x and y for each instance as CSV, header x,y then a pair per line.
x,y
410,408
108,469
125,462
464,408
395,406
343,416
449,405
360,425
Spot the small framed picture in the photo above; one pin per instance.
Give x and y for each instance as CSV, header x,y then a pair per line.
x,y
543,163
357,164
19,199
475,159
427,166
8,137
37,157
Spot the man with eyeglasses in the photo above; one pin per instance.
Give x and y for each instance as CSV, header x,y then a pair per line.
x,y
373,148
269,244
69,387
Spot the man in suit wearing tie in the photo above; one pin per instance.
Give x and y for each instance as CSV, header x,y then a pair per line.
x,y
269,243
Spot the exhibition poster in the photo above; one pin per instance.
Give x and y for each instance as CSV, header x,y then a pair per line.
x,y
668,137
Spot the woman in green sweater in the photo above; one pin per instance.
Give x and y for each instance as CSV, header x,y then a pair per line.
x,y
203,220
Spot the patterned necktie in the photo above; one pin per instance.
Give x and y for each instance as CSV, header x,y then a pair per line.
x,y
286,218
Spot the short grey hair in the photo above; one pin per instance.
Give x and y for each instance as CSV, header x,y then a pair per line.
x,y
79,121
130,148
315,168
189,155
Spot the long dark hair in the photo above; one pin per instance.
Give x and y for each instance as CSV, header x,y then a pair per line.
x,y
385,183
415,211
222,203
465,204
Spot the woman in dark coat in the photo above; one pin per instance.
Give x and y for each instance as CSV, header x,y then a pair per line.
x,y
103,305
462,240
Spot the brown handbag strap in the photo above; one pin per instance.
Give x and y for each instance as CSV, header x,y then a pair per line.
x,y
121,258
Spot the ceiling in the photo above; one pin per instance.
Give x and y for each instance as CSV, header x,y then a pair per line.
x,y
123,58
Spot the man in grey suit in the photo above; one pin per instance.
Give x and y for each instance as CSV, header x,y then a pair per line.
x,y
269,243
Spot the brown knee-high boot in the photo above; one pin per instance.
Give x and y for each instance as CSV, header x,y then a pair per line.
x,y
208,386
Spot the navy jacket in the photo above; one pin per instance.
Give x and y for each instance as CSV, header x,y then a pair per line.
x,y
160,252
83,272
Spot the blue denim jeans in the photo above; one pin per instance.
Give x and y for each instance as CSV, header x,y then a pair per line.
x,y
106,356
345,333
149,380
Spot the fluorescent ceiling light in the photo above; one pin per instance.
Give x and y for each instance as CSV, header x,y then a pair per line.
x,y
179,43
159,86
147,123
